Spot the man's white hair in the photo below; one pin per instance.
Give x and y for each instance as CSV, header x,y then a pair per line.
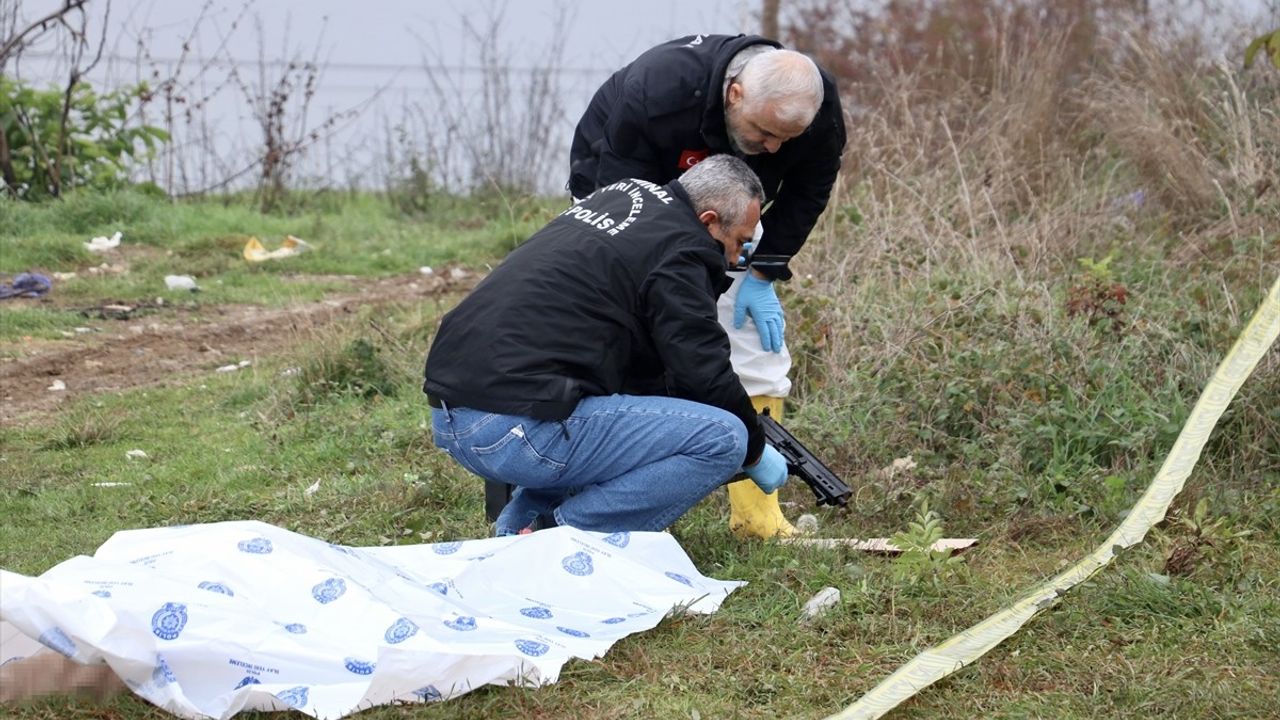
x,y
725,184
786,80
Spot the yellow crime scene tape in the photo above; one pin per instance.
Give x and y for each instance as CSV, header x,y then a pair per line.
x,y
967,646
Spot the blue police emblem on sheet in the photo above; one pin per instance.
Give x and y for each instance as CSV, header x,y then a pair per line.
x,y
532,648
296,628
162,674
216,587
679,578
358,666
613,620
536,612
572,632
168,621
446,548
400,630
619,539
256,546
428,694
57,640
578,564
329,590
295,697
462,623
248,680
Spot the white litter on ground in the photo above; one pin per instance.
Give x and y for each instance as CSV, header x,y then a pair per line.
x,y
211,620
820,603
180,282
102,243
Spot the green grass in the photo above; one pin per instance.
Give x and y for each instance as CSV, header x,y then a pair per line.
x,y
358,236
1033,431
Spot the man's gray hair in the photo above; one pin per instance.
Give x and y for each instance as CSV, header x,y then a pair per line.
x,y
725,184
787,80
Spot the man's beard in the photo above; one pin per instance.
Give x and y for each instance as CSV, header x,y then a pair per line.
x,y
744,147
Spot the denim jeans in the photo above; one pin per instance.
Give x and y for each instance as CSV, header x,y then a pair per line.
x,y
619,462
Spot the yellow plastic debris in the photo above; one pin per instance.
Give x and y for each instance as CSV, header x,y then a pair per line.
x,y
255,252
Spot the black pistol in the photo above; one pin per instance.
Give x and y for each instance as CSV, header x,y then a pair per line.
x,y
829,489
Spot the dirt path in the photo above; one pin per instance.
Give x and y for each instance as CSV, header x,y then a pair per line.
x,y
169,345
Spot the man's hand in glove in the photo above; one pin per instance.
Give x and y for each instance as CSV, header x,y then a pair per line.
x,y
757,298
769,472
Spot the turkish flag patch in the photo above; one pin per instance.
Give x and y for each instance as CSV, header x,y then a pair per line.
x,y
689,158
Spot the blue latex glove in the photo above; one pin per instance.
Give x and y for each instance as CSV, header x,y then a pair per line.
x,y
770,471
758,298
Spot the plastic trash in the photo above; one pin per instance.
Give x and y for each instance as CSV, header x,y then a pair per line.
x,y
255,252
426,270
28,285
57,386
180,282
136,455
820,603
103,244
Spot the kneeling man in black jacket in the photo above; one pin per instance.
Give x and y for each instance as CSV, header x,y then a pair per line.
x,y
589,369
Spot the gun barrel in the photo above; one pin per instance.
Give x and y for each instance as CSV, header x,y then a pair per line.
x,y
826,487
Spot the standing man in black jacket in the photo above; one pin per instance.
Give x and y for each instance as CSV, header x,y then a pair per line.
x,y
589,369
706,95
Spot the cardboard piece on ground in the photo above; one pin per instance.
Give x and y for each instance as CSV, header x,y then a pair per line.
x,y
879,545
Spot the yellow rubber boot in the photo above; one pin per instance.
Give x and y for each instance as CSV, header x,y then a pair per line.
x,y
752,513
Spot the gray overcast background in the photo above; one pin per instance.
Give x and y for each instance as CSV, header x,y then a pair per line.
x,y
372,54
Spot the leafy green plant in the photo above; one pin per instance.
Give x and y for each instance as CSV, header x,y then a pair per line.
x,y
358,370
1096,296
919,561
1200,537
57,141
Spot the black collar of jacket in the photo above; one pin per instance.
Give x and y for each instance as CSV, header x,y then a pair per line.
x,y
713,124
721,278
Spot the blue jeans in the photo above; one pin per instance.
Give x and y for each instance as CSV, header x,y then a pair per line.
x,y
619,462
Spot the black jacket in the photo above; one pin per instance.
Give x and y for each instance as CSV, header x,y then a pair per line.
x,y
665,111
617,295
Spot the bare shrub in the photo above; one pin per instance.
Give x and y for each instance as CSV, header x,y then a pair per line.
x,y
277,87
198,159
503,133
280,97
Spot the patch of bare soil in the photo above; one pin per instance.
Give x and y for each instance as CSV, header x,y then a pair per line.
x,y
148,347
